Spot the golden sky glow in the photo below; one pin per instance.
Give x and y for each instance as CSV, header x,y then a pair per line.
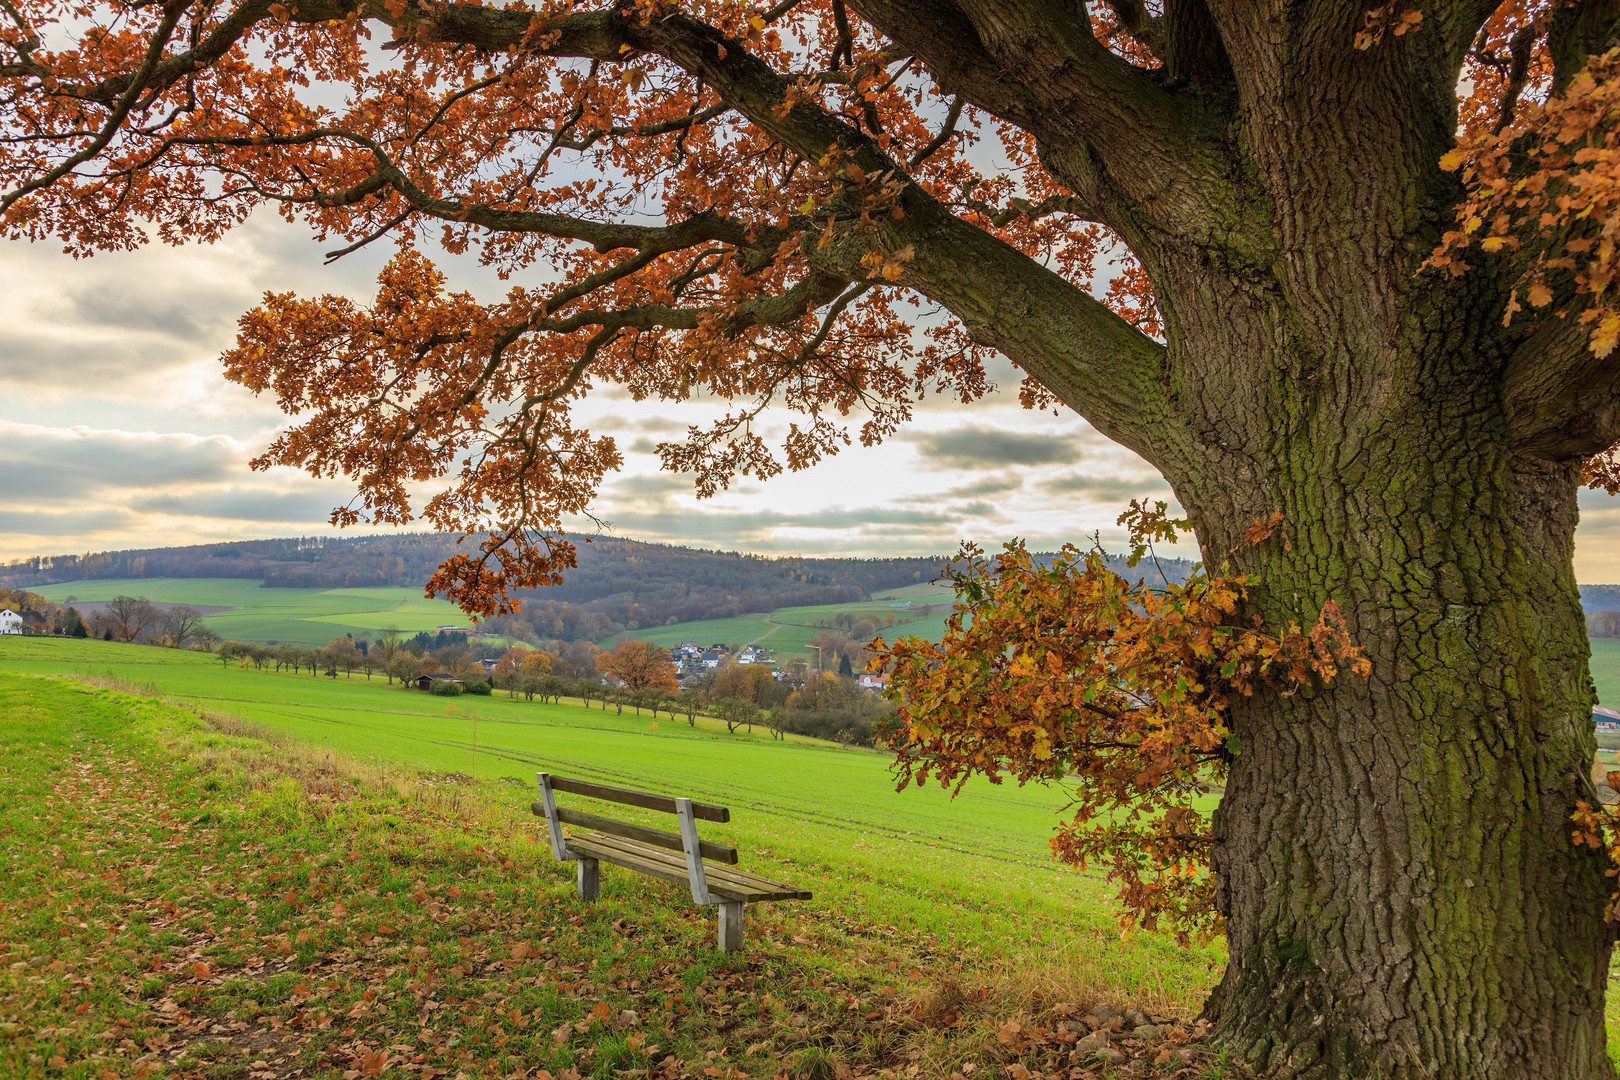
x,y
117,430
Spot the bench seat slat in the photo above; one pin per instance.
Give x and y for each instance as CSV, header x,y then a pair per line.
x,y
719,853
723,881
653,864
643,799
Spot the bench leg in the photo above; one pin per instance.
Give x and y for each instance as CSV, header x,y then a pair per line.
x,y
731,926
589,877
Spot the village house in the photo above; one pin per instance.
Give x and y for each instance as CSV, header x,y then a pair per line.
x,y
10,622
870,680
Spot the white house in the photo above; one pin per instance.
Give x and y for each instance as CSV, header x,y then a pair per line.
x,y
10,622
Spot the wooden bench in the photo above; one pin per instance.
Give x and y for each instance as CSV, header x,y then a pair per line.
x,y
682,856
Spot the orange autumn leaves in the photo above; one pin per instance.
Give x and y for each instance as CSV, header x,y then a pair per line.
x,y
640,666
1542,175
1069,672
677,235
1542,172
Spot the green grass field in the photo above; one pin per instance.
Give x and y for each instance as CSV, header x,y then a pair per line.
x,y
924,592
289,616
316,616
957,888
196,896
1606,670
973,871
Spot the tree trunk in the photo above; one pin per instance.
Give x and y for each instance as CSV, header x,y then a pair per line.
x,y
1393,856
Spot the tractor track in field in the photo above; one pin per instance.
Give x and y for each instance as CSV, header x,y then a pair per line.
x,y
731,796
775,809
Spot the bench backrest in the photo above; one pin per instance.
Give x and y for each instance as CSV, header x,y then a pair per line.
x,y
686,812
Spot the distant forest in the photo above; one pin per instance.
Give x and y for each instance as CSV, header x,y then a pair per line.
x,y
1595,598
618,585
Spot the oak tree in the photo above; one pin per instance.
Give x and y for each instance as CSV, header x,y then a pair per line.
x,y
1318,303
184,623
639,666
130,617
736,712
749,682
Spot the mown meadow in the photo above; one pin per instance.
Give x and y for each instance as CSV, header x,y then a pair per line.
x,y
973,870
326,871
316,616
343,878
287,616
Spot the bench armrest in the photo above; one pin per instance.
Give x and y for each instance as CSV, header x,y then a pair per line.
x,y
548,800
694,853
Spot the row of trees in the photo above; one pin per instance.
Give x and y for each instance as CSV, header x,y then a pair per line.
x,y
636,675
123,618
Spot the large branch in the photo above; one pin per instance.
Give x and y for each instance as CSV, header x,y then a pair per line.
x,y
1578,31
1107,129
1091,359
1193,50
1563,402
1094,361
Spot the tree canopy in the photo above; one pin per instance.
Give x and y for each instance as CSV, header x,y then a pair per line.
x,y
639,665
718,198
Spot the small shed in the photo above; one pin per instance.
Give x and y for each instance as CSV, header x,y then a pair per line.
x,y
425,682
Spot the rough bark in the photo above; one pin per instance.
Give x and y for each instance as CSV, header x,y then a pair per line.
x,y
1393,857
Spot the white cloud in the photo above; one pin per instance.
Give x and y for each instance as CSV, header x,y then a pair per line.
x,y
79,488
117,429
44,465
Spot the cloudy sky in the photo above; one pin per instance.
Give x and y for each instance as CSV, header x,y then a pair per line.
x,y
117,430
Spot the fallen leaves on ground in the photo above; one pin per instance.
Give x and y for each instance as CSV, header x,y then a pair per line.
x,y
186,904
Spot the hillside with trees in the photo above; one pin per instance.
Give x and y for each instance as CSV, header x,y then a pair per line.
x,y
627,583
618,585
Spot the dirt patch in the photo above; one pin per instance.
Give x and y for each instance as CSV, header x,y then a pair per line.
x,y
260,1051
90,608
